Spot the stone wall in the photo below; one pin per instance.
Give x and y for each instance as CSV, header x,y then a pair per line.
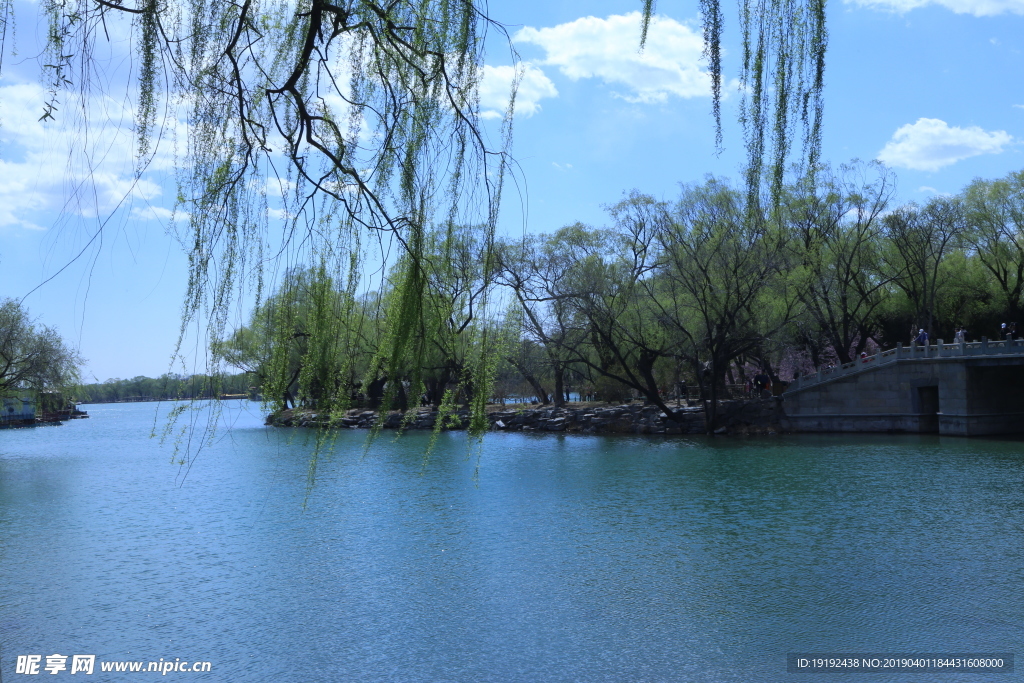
x,y
882,398
739,417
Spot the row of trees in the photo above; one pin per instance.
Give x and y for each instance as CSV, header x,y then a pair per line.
x,y
706,288
35,359
166,387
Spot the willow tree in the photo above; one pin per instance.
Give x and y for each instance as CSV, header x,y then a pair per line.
x,y
995,219
33,358
782,78
920,240
722,279
836,226
445,362
309,343
364,115
542,272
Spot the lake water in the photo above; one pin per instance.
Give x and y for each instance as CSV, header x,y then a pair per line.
x,y
530,558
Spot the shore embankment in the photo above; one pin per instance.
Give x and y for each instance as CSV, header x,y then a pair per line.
x,y
734,417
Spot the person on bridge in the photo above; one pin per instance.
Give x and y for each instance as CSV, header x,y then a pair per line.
x,y
922,337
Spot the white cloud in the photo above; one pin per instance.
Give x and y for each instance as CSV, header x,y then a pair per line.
x,y
496,85
1019,106
931,144
609,49
979,8
154,213
70,165
279,187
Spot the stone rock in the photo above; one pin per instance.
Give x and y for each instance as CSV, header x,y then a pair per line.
x,y
736,417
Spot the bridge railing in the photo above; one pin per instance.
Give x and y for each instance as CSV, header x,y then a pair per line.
x,y
940,349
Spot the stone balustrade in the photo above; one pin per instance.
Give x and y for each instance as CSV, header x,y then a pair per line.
x,y
914,351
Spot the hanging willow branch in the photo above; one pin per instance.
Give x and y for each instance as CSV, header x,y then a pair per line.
x,y
782,79
364,116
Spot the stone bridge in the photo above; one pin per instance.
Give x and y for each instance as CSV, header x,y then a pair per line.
x,y
963,389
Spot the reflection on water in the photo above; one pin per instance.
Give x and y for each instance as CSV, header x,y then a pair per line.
x,y
560,558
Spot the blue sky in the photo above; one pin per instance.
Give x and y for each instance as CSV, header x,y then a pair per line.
x,y
934,89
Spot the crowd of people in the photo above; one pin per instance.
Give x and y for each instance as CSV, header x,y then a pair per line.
x,y
1006,331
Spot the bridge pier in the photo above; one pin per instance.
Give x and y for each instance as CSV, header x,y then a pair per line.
x,y
991,402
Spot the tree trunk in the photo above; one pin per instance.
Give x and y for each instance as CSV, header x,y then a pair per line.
x,y
542,394
711,406
650,389
842,351
559,372
739,370
708,393
375,392
436,388
770,371
401,398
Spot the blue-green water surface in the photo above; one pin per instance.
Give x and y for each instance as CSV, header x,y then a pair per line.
x,y
527,558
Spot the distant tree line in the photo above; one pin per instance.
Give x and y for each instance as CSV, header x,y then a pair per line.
x,y
167,387
704,290
35,359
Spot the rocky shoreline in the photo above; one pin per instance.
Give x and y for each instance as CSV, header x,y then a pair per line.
x,y
735,417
